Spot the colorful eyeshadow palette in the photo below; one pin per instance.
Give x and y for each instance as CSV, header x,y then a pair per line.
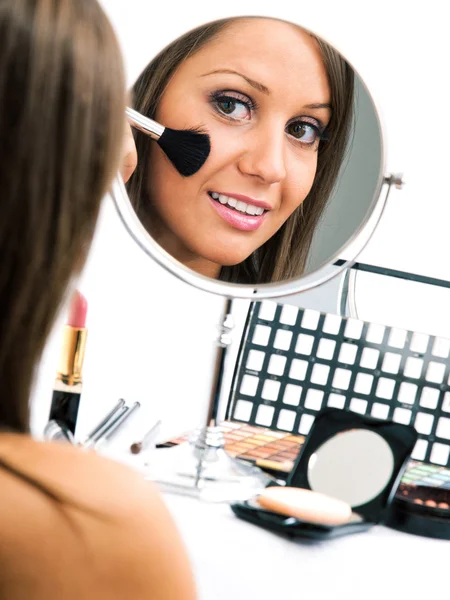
x,y
422,509
419,474
271,450
432,497
293,362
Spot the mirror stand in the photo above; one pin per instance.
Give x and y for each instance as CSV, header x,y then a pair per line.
x,y
201,467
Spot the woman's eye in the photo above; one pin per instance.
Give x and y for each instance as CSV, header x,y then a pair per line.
x,y
307,133
232,107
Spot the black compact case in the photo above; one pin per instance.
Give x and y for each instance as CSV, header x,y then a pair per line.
x,y
328,424
422,519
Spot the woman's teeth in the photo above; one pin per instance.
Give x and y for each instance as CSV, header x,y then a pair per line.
x,y
237,204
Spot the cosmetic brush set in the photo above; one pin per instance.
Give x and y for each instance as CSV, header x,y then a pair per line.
x,y
58,431
102,432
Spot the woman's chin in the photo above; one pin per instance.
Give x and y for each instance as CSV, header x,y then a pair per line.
x,y
228,259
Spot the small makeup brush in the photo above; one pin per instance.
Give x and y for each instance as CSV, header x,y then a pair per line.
x,y
117,422
187,149
148,438
91,438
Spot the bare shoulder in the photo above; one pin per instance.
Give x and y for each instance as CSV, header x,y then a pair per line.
x,y
97,524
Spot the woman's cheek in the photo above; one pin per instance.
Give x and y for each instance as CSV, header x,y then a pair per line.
x,y
226,145
305,178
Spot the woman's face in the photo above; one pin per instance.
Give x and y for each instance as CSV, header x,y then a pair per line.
x,y
260,90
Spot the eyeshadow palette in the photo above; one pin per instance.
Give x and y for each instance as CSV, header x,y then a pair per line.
x,y
419,474
271,450
424,489
294,362
432,497
422,509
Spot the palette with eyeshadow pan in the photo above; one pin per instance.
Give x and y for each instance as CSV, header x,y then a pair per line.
x,y
422,509
271,450
419,474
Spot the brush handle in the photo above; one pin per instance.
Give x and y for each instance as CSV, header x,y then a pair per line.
x,y
144,124
150,435
148,438
93,434
118,422
100,433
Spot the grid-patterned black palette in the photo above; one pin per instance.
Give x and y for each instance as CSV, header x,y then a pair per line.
x,y
296,361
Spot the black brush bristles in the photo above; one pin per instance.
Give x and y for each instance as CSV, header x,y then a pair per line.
x,y
187,149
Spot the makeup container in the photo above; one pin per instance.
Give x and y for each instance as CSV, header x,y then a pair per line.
x,y
349,457
423,507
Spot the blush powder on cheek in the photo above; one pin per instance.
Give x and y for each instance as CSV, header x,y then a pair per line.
x,y
305,505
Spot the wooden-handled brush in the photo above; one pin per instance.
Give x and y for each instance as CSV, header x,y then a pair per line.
x,y
187,149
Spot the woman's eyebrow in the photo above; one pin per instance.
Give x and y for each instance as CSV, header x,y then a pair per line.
x,y
258,86
318,106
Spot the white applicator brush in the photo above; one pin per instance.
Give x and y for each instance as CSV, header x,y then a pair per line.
x,y
187,149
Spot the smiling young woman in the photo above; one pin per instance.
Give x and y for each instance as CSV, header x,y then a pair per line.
x,y
278,105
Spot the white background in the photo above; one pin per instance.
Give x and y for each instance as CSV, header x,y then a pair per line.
x,y
151,338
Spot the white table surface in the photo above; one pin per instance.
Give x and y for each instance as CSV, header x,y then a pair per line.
x,y
233,559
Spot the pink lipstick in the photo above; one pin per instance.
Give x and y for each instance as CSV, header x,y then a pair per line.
x,y
68,384
78,311
237,219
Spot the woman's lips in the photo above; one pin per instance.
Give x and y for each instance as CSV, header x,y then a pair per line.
x,y
236,219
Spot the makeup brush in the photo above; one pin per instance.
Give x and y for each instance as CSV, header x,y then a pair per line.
x,y
91,438
113,426
187,149
146,440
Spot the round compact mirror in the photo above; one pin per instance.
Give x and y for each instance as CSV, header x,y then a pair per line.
x,y
354,466
259,174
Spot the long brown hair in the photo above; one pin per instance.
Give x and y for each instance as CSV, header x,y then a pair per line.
x,y
284,255
62,94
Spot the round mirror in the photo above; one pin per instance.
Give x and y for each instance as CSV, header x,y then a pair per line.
x,y
354,466
291,189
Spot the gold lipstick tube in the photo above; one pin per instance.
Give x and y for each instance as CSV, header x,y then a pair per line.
x,y
68,384
72,355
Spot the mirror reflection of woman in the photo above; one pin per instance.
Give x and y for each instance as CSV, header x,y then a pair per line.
x,y
73,525
278,105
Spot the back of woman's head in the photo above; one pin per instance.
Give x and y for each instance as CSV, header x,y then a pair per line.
x,y
61,120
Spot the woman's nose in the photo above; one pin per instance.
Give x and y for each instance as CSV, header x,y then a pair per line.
x,y
264,156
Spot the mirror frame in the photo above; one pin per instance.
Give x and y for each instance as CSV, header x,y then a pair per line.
x,y
327,271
